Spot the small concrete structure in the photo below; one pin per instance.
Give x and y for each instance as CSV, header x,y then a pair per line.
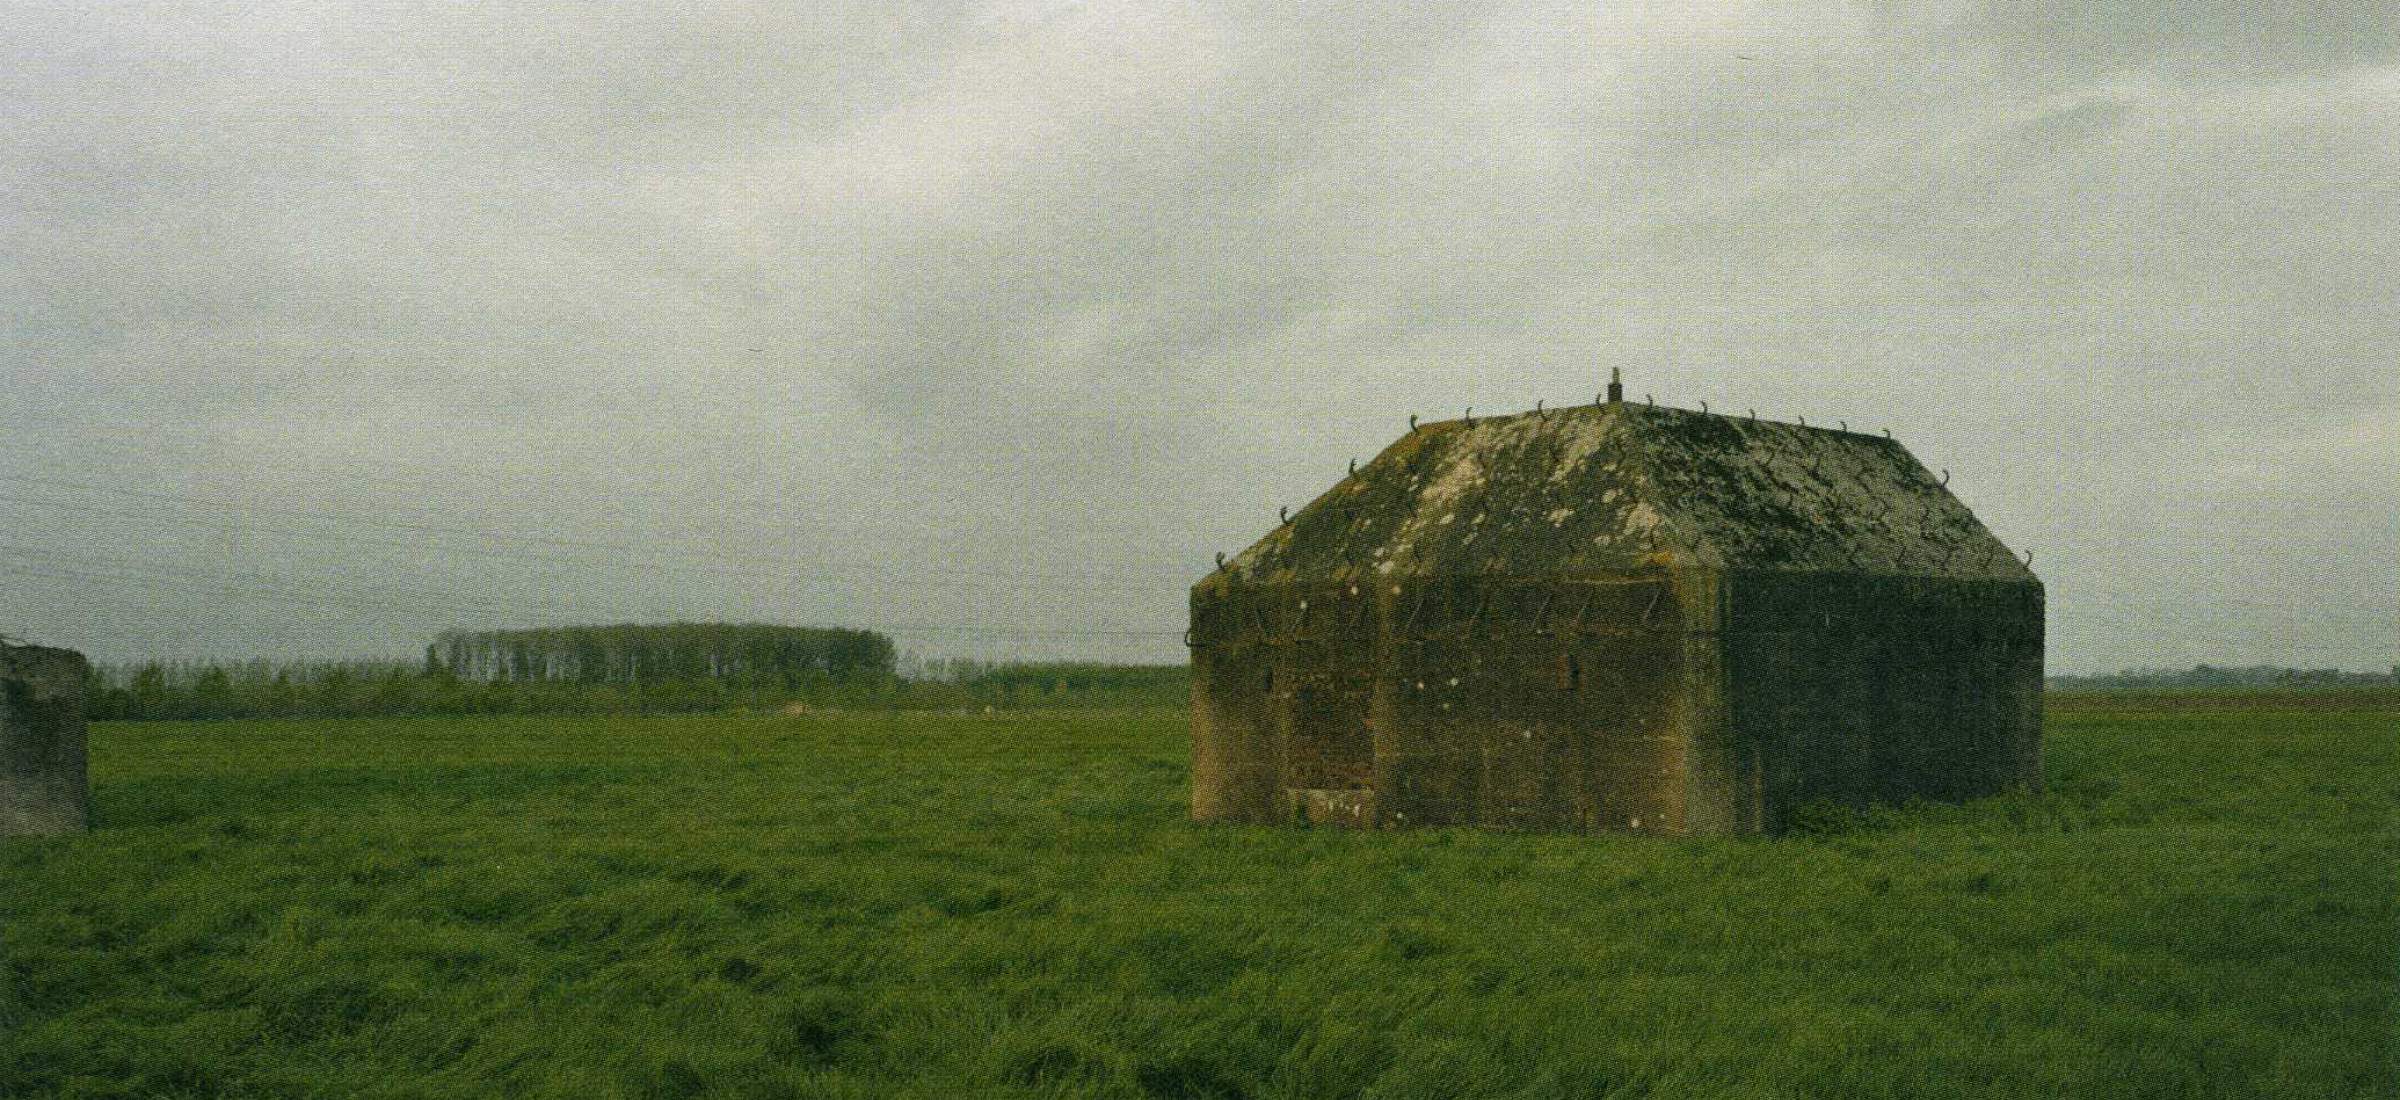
x,y
1616,617
43,786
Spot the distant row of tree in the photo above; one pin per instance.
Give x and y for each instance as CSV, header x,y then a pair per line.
x,y
1051,684
2214,676
750,654
183,690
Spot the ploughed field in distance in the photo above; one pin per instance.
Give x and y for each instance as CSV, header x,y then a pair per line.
x,y
2199,903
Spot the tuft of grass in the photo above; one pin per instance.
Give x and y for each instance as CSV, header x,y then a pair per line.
x,y
2198,903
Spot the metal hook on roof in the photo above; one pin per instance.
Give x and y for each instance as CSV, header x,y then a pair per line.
x,y
1537,410
1220,560
1704,406
1887,433
1945,477
1412,423
1470,416
1844,423
2029,559
1354,467
1753,415
1284,513
1649,400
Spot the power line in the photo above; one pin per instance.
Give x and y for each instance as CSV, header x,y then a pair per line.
x,y
194,583
616,494
381,598
616,504
913,575
418,598
937,578
186,581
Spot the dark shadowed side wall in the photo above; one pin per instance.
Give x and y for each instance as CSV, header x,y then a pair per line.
x,y
1858,689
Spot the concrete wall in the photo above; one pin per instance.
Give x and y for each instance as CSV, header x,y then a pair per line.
x,y
1690,702
1861,689
43,787
1550,704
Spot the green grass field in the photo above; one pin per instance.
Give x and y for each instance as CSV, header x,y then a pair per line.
x,y
2206,902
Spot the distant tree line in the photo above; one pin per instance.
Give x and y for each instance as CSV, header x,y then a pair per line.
x,y
1051,684
629,654
2213,676
678,669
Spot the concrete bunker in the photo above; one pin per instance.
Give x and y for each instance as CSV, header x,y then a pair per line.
x,y
44,790
1616,617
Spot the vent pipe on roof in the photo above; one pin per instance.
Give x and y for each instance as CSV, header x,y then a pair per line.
x,y
1616,386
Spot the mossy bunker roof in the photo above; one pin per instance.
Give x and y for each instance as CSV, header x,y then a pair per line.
x,y
1619,486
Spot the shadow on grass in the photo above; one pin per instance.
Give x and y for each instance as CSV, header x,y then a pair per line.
x,y
2064,805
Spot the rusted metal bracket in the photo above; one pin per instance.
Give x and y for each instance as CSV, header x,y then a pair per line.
x,y
1576,626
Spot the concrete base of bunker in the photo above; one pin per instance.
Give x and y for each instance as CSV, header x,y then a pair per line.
x,y
1615,618
1695,703
1457,703
44,790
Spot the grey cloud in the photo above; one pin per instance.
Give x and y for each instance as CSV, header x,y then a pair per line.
x,y
2228,35
1089,289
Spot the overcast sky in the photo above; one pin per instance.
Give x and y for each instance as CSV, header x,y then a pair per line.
x,y
328,326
